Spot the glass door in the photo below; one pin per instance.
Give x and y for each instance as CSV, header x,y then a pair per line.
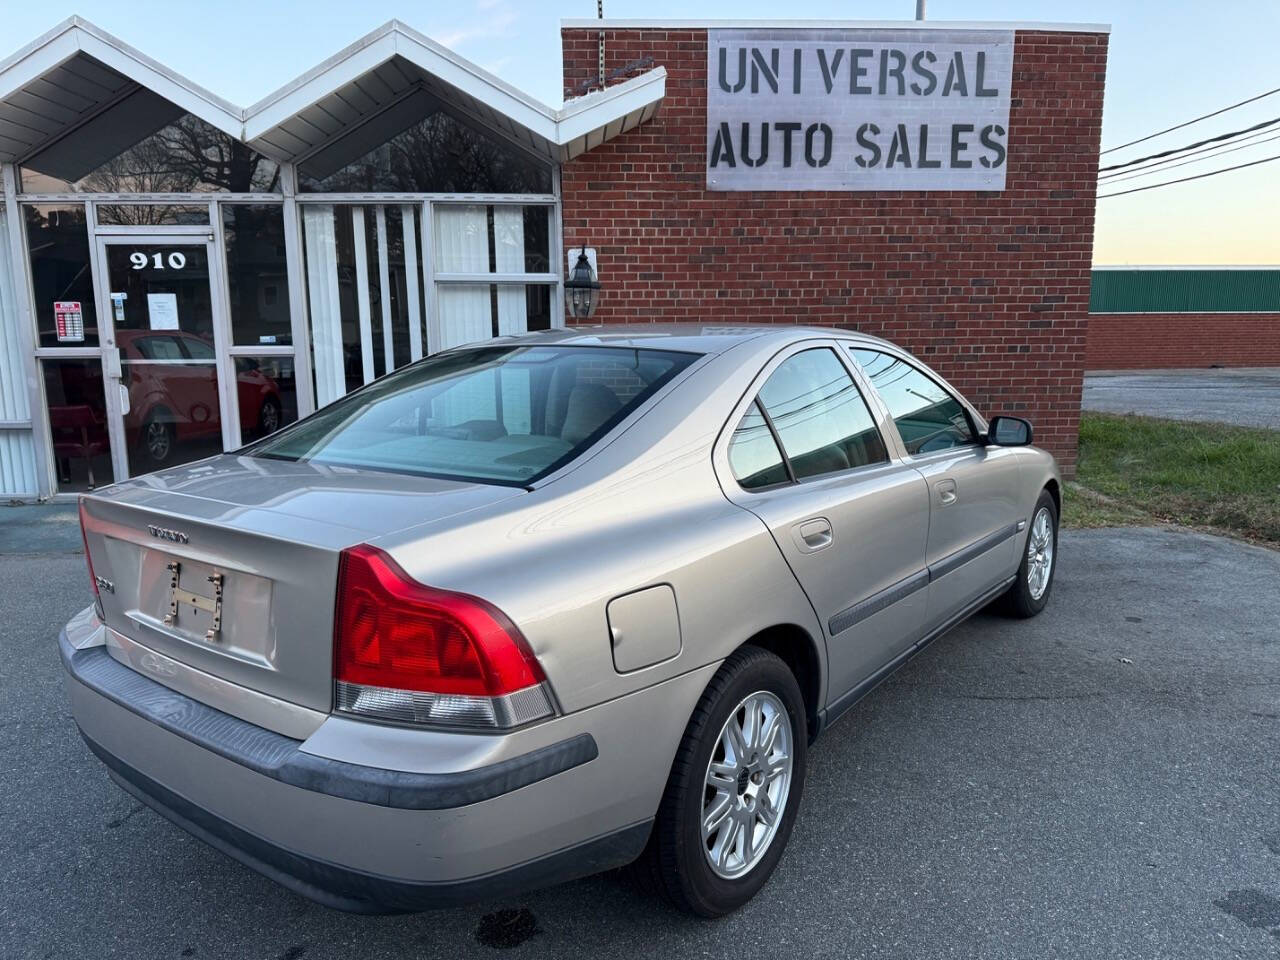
x,y
167,325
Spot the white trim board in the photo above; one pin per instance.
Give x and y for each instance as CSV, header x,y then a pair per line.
x,y
622,23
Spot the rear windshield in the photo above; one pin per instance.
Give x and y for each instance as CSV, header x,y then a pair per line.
x,y
501,414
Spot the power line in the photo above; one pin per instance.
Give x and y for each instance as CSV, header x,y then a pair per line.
x,y
1191,146
1153,165
1198,176
1171,166
1179,126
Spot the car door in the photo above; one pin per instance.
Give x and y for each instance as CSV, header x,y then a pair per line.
x,y
973,488
806,455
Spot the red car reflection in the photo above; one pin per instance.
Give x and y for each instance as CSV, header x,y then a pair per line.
x,y
173,393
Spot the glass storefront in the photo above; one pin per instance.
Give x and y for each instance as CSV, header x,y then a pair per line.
x,y
185,155
437,154
58,246
77,406
257,274
184,300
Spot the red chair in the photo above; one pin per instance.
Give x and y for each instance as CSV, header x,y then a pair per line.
x,y
78,431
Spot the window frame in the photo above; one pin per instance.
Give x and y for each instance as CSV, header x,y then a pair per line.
x,y
875,409
976,422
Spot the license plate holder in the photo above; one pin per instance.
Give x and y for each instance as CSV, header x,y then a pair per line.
x,y
180,596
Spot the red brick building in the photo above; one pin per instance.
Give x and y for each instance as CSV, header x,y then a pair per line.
x,y
990,286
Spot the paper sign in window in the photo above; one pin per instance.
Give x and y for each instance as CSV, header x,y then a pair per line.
x,y
163,310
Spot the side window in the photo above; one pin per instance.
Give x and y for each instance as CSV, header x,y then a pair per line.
x,y
928,417
755,458
159,348
198,349
821,419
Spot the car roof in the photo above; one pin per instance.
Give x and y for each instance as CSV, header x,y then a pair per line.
x,y
694,337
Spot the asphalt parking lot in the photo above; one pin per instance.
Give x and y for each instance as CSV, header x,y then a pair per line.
x,y
1103,781
1248,397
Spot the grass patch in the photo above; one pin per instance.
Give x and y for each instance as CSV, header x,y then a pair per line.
x,y
1197,474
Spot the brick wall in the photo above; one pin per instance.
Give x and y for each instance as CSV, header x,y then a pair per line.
x,y
1149,341
991,288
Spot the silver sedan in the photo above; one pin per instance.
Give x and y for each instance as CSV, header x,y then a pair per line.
x,y
537,607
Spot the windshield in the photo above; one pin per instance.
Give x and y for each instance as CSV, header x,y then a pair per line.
x,y
501,414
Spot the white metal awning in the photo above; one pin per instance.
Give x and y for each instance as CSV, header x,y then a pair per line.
x,y
79,78
381,84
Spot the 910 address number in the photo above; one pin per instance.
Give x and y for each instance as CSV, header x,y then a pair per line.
x,y
140,261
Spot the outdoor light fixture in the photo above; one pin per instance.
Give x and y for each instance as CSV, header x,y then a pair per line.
x,y
581,288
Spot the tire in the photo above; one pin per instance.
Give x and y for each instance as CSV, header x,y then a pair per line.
x,y
157,440
679,857
1030,591
269,417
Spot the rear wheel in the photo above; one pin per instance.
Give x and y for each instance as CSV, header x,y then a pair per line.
x,y
157,439
269,417
1030,590
734,788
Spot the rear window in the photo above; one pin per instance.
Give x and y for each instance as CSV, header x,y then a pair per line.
x,y
502,414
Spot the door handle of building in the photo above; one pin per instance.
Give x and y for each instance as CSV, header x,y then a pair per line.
x,y
946,492
814,534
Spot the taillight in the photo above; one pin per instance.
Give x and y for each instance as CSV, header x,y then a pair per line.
x,y
406,651
93,580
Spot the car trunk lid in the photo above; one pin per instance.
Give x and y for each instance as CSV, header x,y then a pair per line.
x,y
230,566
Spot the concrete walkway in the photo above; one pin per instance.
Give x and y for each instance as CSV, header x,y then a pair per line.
x,y
47,528
1246,397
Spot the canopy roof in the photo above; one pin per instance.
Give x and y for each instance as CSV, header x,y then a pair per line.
x,y
80,79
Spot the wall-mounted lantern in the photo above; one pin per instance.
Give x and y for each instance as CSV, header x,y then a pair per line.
x,y
581,287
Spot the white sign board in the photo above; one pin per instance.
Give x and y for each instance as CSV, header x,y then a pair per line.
x,y
858,109
163,310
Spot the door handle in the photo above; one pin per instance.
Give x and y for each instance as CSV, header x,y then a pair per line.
x,y
812,535
947,493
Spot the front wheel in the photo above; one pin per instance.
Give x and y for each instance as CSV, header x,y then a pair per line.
x,y
1029,592
734,788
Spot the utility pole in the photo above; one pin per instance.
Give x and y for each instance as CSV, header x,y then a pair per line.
x,y
919,9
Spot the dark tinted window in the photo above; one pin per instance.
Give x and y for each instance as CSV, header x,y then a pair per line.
x,y
58,243
256,274
502,414
438,154
821,419
928,417
754,457
184,154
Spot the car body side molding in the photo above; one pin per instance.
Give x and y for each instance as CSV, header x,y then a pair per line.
x,y
279,757
962,556
838,707
878,601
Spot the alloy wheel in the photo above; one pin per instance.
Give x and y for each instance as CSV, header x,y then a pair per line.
x,y
1040,553
157,440
747,784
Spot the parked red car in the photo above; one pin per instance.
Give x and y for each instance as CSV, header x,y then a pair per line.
x,y
175,402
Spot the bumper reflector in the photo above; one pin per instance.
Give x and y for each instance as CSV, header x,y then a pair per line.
x,y
446,709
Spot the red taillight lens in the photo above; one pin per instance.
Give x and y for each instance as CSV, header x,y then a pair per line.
x,y
84,537
391,631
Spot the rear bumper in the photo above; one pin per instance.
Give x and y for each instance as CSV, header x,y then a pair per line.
x,y
358,891
378,839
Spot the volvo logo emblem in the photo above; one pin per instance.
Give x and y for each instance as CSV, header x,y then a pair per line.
x,y
164,533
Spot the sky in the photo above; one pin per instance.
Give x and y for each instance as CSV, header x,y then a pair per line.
x,y
1169,61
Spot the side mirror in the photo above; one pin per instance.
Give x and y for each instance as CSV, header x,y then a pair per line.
x,y
1009,432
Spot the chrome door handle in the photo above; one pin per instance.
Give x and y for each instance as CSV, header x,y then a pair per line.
x,y
813,534
947,493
